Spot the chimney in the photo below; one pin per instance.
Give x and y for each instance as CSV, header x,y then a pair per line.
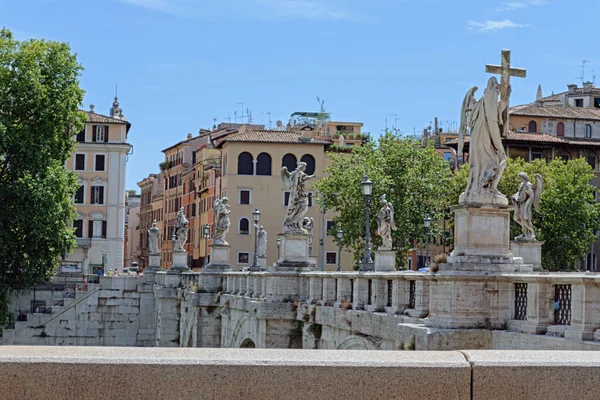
x,y
189,136
307,134
572,88
538,96
587,87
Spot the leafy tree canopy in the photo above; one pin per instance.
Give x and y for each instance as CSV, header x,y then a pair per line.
x,y
414,178
568,214
39,100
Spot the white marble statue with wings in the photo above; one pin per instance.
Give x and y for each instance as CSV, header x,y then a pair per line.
x,y
298,201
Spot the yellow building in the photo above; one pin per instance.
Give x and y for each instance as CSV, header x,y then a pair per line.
x,y
100,161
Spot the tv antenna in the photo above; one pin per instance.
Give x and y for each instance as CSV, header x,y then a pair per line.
x,y
242,115
269,114
395,120
321,104
582,77
279,125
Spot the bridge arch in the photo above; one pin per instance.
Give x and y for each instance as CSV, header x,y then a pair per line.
x,y
354,342
244,333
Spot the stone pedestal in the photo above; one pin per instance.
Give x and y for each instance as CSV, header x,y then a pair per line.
x,y
153,264
294,255
180,259
385,260
529,251
262,263
219,257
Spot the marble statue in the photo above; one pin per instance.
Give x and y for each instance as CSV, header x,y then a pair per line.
x,y
181,230
525,200
221,211
487,122
261,247
153,235
385,223
308,223
298,203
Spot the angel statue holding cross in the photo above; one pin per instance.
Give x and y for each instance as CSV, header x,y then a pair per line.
x,y
487,122
298,200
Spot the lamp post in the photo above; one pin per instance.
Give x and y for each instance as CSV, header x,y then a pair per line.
x,y
427,222
340,235
367,262
255,217
206,229
278,247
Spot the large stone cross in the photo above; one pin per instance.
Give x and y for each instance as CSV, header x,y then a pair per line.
x,y
505,72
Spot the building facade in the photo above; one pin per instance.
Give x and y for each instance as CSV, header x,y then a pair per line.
x,y
100,160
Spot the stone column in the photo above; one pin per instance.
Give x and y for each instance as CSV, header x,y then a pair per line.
x,y
584,312
316,289
539,306
385,260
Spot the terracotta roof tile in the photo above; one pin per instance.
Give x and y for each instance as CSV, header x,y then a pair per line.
x,y
524,137
266,136
103,119
579,113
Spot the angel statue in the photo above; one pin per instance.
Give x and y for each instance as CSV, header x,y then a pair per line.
x,y
487,124
298,202
527,197
261,247
153,235
308,223
222,223
385,223
181,231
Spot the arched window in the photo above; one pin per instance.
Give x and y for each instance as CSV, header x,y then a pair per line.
x,y
289,161
310,163
263,164
560,129
245,164
244,228
532,127
588,131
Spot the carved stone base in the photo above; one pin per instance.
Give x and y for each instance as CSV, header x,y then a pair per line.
x,y
529,251
262,263
385,260
180,259
153,264
294,254
219,257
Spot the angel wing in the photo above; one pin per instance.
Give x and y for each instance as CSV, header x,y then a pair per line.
x,y
286,178
393,224
465,113
538,188
216,206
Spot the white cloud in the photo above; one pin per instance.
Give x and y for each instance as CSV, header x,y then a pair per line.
x,y
307,9
491,26
177,7
516,5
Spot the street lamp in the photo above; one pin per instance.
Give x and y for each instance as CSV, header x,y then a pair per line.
x,y
427,222
256,217
278,247
367,262
340,235
206,229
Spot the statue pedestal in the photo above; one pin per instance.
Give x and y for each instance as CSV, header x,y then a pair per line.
x,y
262,263
153,264
385,260
294,254
180,259
529,251
219,257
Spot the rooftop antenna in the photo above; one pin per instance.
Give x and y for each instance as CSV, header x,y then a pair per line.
x,y
249,113
321,104
116,90
395,120
582,77
242,103
228,119
269,113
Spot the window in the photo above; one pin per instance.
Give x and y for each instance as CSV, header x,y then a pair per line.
x,y
310,199
97,195
78,226
596,102
588,131
244,228
564,157
97,229
81,137
578,102
532,127
79,162
592,161
243,258
193,157
286,198
330,228
289,161
194,210
244,197
560,129
99,162
310,163
263,164
245,164
535,154
79,195
331,257
100,133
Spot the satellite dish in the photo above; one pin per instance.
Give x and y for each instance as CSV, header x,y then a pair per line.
x,y
279,124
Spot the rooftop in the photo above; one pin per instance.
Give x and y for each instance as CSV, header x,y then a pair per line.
x,y
269,136
541,138
558,111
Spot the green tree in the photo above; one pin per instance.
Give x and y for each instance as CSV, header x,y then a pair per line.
x,y
414,178
568,214
39,99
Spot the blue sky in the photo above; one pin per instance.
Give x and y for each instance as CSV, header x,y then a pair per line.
x,y
181,63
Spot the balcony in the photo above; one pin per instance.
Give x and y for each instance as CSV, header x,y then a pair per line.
x,y
85,243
